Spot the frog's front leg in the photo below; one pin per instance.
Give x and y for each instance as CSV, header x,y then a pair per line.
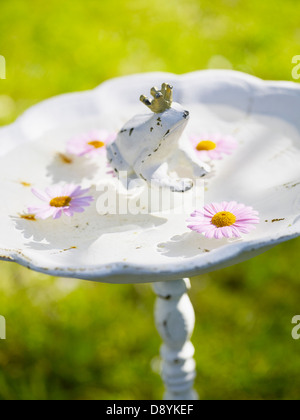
x,y
199,169
116,160
160,177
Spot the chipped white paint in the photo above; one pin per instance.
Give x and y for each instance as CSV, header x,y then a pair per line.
x,y
175,320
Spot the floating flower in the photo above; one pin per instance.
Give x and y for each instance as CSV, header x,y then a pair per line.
x,y
226,219
91,143
68,199
212,146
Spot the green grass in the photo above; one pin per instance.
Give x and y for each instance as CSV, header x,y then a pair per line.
x,y
69,339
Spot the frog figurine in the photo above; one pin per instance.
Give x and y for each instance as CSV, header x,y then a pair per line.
x,y
148,145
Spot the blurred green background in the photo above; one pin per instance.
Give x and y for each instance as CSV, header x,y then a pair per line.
x,y
70,339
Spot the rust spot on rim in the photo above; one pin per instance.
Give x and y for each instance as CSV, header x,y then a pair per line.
x,y
30,217
64,158
2,257
25,184
68,249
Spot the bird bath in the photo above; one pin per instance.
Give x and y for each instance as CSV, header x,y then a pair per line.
x,y
155,244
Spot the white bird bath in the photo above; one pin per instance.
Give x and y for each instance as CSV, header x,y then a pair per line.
x,y
263,172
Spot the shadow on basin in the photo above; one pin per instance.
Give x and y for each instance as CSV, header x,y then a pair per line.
x,y
81,230
71,169
191,244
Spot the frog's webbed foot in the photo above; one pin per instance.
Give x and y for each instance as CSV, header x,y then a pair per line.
x,y
175,185
161,178
181,185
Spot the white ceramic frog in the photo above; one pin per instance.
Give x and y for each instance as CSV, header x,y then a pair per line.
x,y
148,145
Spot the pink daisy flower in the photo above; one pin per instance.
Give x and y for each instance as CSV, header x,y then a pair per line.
x,y
58,200
226,219
212,146
91,143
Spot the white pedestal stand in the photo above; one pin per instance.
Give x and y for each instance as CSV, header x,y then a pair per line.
x,y
175,320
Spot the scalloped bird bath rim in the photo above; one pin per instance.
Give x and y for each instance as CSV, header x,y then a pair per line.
x,y
264,173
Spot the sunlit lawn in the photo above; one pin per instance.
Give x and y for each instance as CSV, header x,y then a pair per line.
x,y
70,339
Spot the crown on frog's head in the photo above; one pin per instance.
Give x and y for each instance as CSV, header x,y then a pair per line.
x,y
162,98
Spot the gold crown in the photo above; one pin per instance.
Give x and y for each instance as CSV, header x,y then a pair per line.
x,y
162,98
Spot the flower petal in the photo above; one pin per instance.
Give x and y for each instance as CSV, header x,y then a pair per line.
x,y
57,213
40,194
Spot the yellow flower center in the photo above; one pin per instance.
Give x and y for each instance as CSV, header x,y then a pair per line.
x,y
206,145
96,144
223,218
60,201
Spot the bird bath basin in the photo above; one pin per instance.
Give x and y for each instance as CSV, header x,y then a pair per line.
x,y
155,245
